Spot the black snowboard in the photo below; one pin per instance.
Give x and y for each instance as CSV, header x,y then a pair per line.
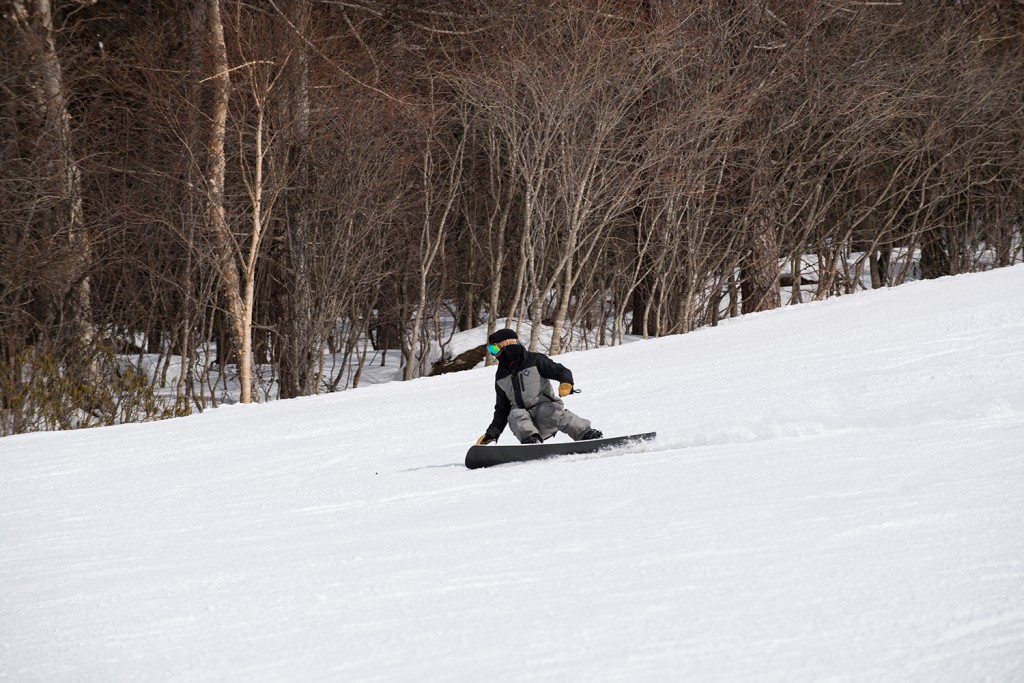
x,y
487,456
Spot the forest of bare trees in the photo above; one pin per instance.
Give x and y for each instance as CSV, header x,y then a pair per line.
x,y
276,180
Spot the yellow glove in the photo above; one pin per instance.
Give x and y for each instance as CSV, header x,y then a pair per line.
x,y
484,440
564,389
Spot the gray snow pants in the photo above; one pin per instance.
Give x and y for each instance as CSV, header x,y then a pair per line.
x,y
545,419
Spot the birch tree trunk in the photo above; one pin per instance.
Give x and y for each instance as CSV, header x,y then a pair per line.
x,y
224,241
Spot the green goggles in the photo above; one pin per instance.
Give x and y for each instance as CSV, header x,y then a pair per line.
x,y
493,349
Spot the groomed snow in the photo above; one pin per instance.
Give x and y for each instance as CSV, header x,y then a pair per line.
x,y
837,492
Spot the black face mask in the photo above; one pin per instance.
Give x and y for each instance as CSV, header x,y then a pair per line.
x,y
510,356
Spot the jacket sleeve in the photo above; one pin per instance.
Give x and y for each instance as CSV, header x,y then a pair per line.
x,y
549,369
502,407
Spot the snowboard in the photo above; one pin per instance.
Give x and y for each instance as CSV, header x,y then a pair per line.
x,y
488,456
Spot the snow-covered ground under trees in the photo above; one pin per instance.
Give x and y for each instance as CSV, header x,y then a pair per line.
x,y
836,492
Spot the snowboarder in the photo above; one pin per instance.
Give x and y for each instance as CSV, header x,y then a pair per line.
x,y
525,400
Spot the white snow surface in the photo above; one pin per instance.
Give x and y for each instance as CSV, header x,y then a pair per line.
x,y
836,493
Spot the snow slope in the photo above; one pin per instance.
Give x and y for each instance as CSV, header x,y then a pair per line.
x,y
837,492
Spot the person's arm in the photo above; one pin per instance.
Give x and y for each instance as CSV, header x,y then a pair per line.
x,y
502,407
549,369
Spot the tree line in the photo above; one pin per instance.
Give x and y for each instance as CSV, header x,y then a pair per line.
x,y
276,180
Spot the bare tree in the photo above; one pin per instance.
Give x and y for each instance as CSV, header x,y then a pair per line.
x,y
297,347
441,185
62,216
227,249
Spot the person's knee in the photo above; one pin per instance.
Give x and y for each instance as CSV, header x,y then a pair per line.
x,y
521,423
573,425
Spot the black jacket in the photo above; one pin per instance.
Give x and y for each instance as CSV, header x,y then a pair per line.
x,y
522,382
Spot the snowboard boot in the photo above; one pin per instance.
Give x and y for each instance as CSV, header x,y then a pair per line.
x,y
591,434
533,438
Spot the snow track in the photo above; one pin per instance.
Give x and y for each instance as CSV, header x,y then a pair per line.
x,y
837,492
